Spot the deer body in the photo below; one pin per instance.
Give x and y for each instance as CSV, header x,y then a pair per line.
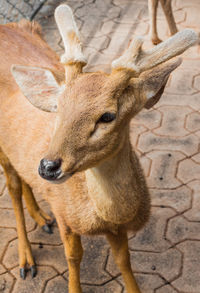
x,y
35,126
99,183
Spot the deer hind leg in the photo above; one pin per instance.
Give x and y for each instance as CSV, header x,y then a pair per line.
x,y
41,218
152,6
167,8
15,190
119,246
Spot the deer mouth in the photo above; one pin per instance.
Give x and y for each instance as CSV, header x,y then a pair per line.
x,y
61,178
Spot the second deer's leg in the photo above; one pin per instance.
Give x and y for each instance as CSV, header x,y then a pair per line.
x,y
167,8
119,245
41,218
153,5
15,190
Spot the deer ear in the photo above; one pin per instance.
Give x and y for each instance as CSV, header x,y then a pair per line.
x,y
38,85
152,82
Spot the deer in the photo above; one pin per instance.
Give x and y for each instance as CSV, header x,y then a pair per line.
x,y
167,8
64,134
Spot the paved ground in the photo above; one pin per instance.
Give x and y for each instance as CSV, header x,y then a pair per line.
x,y
165,255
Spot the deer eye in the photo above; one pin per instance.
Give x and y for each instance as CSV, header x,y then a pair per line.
x,y
107,117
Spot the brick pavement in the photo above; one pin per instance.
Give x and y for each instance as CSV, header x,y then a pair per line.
x,y
165,255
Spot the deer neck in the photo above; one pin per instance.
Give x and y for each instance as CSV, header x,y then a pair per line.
x,y
112,186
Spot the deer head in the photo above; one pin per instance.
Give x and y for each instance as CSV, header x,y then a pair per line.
x,y
94,109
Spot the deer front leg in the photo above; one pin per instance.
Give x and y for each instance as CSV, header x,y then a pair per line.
x,y
153,5
15,190
119,245
167,8
74,253
41,218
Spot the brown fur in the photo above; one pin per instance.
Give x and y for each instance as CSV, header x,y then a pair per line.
x,y
107,193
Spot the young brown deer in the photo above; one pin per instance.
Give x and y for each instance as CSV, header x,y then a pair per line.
x,y
167,8
81,138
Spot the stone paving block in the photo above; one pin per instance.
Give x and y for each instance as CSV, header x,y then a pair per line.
x,y
149,118
56,285
8,219
91,27
197,134
181,82
109,287
6,283
146,164
130,12
5,200
196,158
166,289
180,100
193,121
146,282
184,166
194,213
117,44
180,229
6,236
192,17
39,236
197,82
2,183
163,169
98,43
179,199
98,9
189,280
166,264
127,2
151,237
173,121
53,38
135,131
52,256
187,3
94,258
188,63
187,145
10,259
33,285
2,269
139,28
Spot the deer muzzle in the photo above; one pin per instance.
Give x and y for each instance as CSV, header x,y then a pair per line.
x,y
50,170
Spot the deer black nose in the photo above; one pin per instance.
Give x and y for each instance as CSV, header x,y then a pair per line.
x,y
50,170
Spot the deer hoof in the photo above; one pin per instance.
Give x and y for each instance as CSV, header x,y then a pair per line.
x,y
47,228
22,273
156,41
33,271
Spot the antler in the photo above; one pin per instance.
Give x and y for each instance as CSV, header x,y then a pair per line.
x,y
138,60
70,35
